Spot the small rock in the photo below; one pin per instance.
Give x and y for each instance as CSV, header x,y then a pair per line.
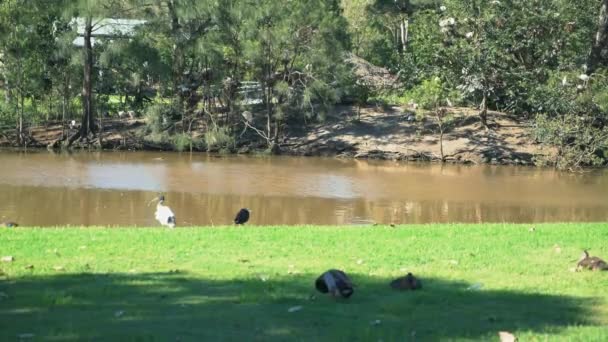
x,y
8,258
26,335
294,308
475,287
506,336
360,261
557,248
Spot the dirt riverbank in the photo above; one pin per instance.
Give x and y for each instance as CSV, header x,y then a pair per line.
x,y
381,133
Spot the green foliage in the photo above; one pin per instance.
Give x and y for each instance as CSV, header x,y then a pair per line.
x,y
430,94
219,138
185,141
201,55
576,121
159,117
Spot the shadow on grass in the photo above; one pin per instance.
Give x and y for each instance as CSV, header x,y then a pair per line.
x,y
181,306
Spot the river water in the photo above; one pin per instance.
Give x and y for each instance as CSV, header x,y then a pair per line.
x,y
114,188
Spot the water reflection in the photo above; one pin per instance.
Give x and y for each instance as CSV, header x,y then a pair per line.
x,y
114,188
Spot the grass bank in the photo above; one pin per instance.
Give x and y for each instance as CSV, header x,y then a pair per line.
x,y
239,283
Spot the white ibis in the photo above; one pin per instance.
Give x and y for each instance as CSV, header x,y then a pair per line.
x,y
164,215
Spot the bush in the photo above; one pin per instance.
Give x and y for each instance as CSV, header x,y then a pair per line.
x,y
432,93
575,122
159,117
219,138
182,141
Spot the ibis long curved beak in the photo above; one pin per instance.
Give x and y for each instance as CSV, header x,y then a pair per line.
x,y
154,199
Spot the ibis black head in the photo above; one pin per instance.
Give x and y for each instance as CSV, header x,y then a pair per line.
x,y
242,216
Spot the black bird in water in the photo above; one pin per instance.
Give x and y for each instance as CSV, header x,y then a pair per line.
x,y
242,216
336,283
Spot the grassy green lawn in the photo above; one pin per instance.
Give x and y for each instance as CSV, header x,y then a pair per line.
x,y
239,283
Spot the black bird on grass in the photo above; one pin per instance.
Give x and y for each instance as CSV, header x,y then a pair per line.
x,y
336,283
242,216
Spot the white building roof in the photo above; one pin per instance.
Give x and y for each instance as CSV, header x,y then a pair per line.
x,y
106,28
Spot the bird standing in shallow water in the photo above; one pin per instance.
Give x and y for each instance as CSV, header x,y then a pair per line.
x,y
163,213
242,216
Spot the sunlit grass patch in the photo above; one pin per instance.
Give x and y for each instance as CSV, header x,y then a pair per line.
x,y
238,283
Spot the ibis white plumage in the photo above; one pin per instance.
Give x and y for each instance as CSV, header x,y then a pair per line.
x,y
164,215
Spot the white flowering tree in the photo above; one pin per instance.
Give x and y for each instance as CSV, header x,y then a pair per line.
x,y
470,28
503,50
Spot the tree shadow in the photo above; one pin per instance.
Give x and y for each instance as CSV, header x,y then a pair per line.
x,y
183,306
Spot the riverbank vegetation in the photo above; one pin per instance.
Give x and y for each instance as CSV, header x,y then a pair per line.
x,y
132,283
204,75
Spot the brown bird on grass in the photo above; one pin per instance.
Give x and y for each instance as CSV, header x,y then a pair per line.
x,y
407,282
591,263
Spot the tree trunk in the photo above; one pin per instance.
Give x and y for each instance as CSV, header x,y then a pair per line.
x,y
268,115
21,140
403,33
86,126
441,144
483,110
66,91
599,50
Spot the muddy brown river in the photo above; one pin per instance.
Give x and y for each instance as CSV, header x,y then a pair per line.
x,y
111,189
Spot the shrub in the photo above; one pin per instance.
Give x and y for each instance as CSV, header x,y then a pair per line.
x,y
219,137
